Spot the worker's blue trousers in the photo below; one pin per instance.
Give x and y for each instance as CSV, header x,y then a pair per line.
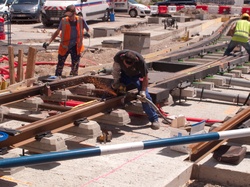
x,y
75,59
149,110
233,44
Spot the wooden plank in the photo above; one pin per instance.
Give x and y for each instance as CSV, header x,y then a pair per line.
x,y
30,69
20,66
11,64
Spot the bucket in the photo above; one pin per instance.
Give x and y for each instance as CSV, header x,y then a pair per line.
x,y
112,16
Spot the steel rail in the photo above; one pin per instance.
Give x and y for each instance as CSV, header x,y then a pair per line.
x,y
57,121
201,150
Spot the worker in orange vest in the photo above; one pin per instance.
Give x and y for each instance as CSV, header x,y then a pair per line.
x,y
71,28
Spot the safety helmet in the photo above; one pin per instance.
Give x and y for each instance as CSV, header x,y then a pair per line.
x,y
245,15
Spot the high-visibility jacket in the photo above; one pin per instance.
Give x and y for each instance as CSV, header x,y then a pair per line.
x,y
242,31
65,35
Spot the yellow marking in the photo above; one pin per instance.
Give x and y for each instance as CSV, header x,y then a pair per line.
x,y
231,110
16,181
83,104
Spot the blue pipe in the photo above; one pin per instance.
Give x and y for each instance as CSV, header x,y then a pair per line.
x,y
119,148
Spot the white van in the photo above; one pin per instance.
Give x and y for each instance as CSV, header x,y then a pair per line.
x,y
53,10
133,8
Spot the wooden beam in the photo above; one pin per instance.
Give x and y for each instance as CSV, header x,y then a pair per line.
x,y
30,69
11,64
20,66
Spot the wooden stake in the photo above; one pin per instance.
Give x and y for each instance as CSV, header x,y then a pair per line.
x,y
30,69
20,66
11,64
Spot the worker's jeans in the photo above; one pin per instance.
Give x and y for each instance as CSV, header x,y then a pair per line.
x,y
75,59
151,113
233,44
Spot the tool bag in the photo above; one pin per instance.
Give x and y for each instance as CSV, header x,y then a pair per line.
x,y
230,154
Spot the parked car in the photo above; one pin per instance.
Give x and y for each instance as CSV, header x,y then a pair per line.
x,y
4,8
26,10
132,7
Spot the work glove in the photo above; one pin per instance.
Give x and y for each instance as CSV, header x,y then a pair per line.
x,y
86,35
115,85
143,94
45,45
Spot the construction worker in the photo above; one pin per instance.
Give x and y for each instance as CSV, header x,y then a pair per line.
x,y
129,67
241,31
72,34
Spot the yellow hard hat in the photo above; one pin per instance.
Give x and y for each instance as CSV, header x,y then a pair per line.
x,y
245,15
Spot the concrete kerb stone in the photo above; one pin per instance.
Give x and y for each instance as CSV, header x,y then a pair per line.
x,y
46,144
117,117
13,170
89,129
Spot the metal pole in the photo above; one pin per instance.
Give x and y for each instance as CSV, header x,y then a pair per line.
x,y
120,148
230,97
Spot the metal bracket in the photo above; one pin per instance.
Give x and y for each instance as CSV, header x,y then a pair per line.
x,y
79,121
11,132
3,150
42,135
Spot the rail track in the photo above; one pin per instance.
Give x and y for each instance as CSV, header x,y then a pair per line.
x,y
175,70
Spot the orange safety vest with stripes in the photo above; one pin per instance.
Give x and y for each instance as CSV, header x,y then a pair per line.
x,y
65,36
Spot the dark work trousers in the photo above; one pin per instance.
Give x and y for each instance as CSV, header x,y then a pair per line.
x,y
149,110
75,60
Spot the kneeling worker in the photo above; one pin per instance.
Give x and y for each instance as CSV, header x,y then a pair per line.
x,y
130,68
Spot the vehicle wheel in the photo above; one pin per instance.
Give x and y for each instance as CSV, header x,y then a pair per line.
x,y
106,15
45,21
133,13
142,16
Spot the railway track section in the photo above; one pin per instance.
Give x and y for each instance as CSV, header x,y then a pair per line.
x,y
171,71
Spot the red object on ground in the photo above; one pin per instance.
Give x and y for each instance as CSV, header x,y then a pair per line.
x,y
2,33
72,103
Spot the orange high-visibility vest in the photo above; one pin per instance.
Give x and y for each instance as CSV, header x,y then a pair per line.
x,y
65,35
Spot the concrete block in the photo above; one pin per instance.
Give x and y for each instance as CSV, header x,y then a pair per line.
x,y
215,125
237,73
103,32
46,144
178,121
216,80
135,107
205,85
112,44
13,170
137,41
90,129
58,96
187,92
232,75
229,117
244,69
85,89
117,117
155,20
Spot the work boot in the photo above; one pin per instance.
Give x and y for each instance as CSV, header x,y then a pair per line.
x,y
155,125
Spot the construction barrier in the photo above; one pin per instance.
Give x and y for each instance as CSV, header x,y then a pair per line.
x,y
172,9
203,7
121,148
162,9
224,10
245,10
